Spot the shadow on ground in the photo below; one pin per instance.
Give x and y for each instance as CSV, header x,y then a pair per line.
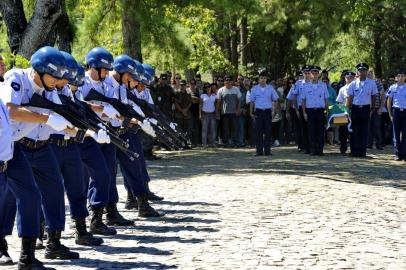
x,y
377,169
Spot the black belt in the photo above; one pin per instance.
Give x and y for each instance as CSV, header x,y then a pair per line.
x,y
33,144
315,109
62,142
399,109
361,106
3,166
263,110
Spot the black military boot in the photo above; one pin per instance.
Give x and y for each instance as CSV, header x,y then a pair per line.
x,y
151,195
83,237
146,210
27,257
55,250
40,240
5,258
96,223
131,202
113,217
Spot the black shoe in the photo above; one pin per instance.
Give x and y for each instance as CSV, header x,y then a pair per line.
x,y
397,158
113,217
258,154
27,257
5,258
300,150
369,146
379,148
131,202
40,240
83,237
268,154
55,250
145,209
320,154
153,197
96,224
306,152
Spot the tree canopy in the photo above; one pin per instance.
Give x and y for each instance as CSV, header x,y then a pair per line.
x,y
212,36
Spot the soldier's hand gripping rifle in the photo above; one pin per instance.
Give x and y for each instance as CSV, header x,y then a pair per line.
x,y
128,112
80,120
152,111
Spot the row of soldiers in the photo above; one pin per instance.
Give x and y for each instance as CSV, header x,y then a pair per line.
x,y
61,129
309,99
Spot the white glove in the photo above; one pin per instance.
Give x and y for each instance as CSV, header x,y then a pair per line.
x,y
138,110
153,121
57,122
110,111
100,136
147,128
173,126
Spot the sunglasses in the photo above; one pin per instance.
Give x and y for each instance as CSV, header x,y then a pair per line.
x,y
177,78
227,80
220,80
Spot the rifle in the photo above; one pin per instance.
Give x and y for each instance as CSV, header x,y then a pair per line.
x,y
153,112
128,111
77,118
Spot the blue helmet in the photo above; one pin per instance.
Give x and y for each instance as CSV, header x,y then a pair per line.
x,y
123,63
140,70
50,61
71,66
80,76
99,58
149,73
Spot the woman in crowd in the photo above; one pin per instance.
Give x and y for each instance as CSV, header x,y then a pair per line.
x,y
207,115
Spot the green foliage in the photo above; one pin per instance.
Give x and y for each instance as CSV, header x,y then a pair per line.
x,y
15,61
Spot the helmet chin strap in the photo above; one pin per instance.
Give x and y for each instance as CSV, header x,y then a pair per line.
x,y
99,74
41,77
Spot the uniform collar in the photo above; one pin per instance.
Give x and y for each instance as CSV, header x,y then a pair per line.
x,y
35,87
114,82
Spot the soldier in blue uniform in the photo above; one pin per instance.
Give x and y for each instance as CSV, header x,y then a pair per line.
x,y
262,97
314,102
124,77
99,159
396,104
6,153
298,93
342,99
66,150
361,97
33,167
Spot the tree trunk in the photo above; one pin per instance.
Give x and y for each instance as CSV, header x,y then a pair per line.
x,y
226,39
64,31
244,41
131,29
41,24
234,43
14,18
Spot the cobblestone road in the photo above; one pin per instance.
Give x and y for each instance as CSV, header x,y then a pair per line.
x,y
226,209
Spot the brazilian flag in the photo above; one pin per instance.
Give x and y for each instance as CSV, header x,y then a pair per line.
x,y
337,110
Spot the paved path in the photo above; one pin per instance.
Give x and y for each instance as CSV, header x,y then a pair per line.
x,y
226,209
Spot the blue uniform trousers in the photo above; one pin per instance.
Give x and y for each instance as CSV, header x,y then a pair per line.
x,y
70,164
263,125
304,131
21,193
49,181
360,122
95,166
109,151
140,150
315,124
399,132
8,210
134,176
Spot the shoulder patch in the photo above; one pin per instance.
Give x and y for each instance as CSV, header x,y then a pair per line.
x,y
15,86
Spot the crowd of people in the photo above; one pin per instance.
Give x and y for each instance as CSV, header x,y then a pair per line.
x,y
218,114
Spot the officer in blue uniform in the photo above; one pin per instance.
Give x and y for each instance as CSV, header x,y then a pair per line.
x,y
262,97
298,93
33,167
125,75
361,96
67,154
396,104
314,102
142,92
291,114
342,99
98,159
6,153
